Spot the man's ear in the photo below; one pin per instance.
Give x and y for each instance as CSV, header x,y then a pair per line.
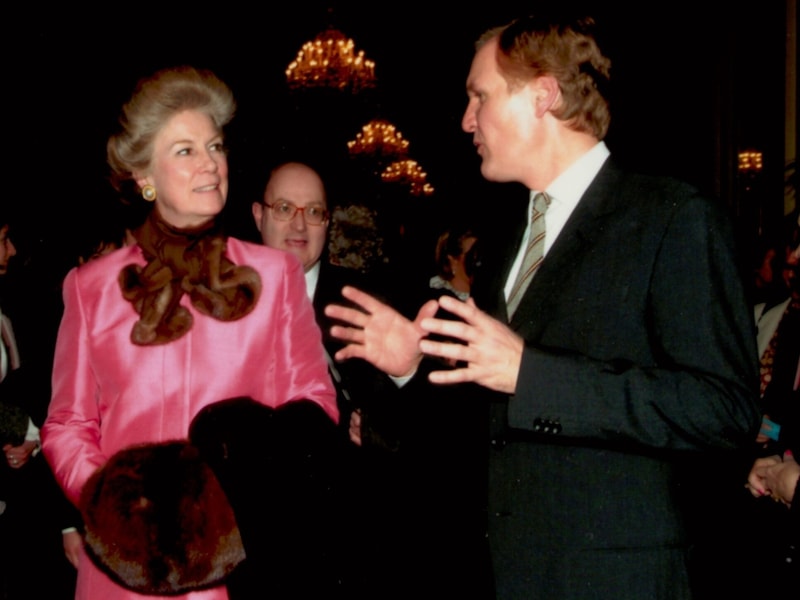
x,y
258,214
547,94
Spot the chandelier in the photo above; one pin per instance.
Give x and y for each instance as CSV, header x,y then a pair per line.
x,y
750,161
410,173
330,61
378,138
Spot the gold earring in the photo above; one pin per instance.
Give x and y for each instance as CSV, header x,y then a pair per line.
x,y
149,192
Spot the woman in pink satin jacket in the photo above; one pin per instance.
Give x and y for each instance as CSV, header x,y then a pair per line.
x,y
154,332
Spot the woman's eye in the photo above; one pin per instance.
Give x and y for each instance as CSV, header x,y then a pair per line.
x,y
217,147
184,152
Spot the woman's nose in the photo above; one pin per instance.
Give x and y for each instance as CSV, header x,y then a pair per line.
x,y
211,161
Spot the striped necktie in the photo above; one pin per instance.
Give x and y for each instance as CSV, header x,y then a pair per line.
x,y
534,253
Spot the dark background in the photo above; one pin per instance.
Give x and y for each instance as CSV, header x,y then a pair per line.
x,y
690,91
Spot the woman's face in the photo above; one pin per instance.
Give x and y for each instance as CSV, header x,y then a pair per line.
x,y
458,263
188,169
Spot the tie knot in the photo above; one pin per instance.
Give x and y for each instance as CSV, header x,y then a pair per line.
x,y
540,202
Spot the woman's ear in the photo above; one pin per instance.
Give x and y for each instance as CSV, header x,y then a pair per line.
x,y
142,179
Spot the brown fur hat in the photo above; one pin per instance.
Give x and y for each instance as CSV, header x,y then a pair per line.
x,y
158,521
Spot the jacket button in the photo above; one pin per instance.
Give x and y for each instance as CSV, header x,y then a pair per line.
x,y
552,426
498,443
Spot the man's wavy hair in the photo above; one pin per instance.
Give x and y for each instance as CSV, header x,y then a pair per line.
x,y
566,50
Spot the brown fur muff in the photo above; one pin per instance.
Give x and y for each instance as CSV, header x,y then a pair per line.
x,y
158,521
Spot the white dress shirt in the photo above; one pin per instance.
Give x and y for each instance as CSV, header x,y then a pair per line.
x,y
312,277
565,192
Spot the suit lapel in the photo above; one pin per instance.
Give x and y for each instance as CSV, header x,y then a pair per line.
x,y
326,292
576,237
329,291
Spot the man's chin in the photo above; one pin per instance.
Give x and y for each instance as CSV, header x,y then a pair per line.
x,y
301,256
491,174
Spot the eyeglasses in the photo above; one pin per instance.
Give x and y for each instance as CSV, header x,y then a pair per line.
x,y
286,211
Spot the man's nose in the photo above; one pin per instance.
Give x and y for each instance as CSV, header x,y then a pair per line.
x,y
468,120
299,220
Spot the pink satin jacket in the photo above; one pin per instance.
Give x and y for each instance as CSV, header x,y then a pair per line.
x,y
109,394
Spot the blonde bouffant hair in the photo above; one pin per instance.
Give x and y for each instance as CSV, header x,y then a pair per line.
x,y
154,102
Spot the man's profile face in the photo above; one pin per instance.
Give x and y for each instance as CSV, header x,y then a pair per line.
x,y
7,249
502,120
301,186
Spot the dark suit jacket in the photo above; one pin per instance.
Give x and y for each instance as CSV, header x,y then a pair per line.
x,y
369,474
639,353
363,385
329,291
418,487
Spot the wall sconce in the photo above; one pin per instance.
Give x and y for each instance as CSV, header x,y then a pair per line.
x,y
750,162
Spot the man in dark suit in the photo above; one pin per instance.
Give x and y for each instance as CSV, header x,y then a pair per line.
x,y
293,216
409,504
618,354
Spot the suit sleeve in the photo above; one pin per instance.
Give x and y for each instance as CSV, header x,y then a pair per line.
x,y
694,384
71,432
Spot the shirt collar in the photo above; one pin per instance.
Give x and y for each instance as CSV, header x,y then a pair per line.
x,y
570,185
312,277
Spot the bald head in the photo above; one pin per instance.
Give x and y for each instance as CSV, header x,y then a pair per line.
x,y
296,185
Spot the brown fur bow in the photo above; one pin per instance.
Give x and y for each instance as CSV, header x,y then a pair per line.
x,y
182,261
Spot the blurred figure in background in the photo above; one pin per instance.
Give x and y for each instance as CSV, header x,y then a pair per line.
x,y
774,527
455,259
33,510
